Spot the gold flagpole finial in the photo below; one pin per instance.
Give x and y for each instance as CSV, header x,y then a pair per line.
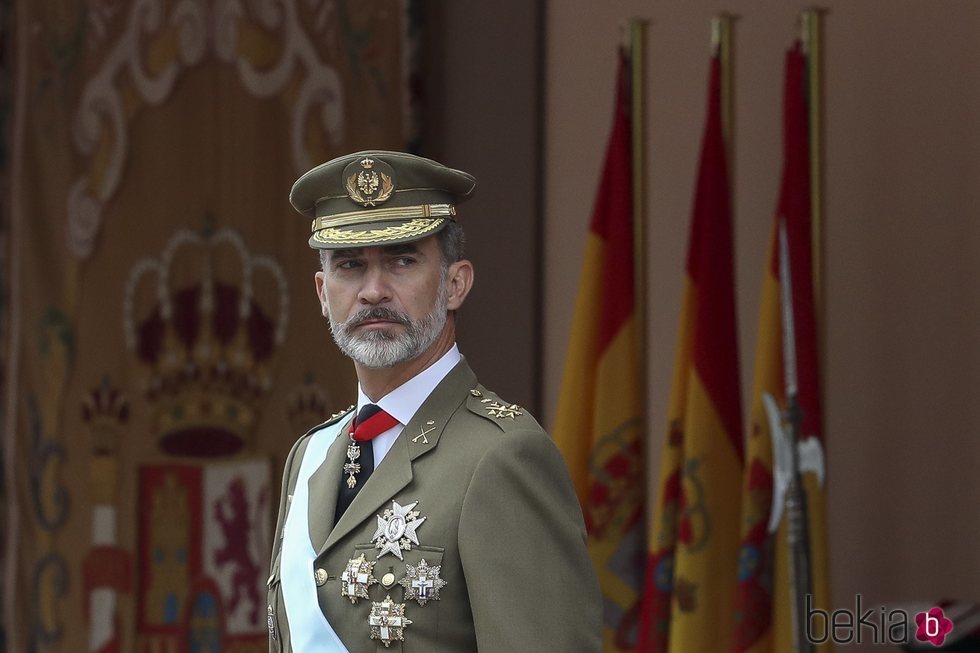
x,y
722,46
810,20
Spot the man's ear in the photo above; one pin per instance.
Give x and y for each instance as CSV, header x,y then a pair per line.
x,y
321,292
459,281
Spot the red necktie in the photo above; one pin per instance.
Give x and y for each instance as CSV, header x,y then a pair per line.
x,y
371,422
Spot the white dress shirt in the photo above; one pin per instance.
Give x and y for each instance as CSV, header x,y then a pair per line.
x,y
404,401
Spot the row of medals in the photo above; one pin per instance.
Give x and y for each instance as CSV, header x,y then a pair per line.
x,y
396,533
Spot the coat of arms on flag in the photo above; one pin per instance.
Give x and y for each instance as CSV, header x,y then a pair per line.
x,y
203,532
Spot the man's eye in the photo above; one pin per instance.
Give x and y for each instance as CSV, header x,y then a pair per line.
x,y
349,264
403,261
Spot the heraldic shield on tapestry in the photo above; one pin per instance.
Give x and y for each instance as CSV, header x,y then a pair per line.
x,y
167,345
203,538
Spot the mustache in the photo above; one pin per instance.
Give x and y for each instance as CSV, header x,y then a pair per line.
x,y
376,313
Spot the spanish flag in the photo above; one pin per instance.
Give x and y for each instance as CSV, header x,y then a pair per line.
x,y
599,426
693,544
763,618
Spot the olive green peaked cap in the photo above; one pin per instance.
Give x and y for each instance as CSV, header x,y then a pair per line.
x,y
378,198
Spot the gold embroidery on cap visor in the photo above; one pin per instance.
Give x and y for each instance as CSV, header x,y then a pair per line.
x,y
413,229
381,215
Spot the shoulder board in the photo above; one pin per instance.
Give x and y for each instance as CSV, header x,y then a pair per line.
x,y
333,419
489,406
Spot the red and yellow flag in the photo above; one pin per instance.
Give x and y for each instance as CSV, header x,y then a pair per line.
x,y
693,547
763,618
599,426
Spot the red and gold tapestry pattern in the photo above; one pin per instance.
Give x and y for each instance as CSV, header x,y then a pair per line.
x,y
161,298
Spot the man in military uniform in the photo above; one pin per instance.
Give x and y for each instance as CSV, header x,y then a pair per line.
x,y
435,516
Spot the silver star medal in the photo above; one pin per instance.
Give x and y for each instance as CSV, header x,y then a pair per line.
x,y
396,529
357,578
387,621
422,582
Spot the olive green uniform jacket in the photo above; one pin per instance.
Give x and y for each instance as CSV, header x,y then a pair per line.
x,y
501,521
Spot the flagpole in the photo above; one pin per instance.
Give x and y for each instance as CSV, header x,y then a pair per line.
x,y
637,53
797,514
811,21
812,38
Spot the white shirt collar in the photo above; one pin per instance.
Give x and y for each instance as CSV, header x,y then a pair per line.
x,y
404,401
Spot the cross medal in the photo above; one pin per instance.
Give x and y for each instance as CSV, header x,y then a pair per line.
x,y
352,467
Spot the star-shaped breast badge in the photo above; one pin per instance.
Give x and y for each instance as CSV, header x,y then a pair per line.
x,y
422,582
396,529
357,578
388,622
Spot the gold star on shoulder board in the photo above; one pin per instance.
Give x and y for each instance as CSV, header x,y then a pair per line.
x,y
346,410
502,411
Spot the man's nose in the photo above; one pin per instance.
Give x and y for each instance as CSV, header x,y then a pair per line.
x,y
375,289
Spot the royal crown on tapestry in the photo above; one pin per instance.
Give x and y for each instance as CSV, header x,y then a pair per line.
x,y
204,340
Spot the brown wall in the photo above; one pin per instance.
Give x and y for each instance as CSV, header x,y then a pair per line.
x,y
483,115
902,248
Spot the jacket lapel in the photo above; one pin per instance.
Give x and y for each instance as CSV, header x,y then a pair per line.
x,y
394,473
324,485
419,436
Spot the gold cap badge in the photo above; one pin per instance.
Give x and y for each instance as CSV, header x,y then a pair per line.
x,y
369,181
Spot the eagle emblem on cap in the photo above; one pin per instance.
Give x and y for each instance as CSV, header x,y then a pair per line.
x,y
369,181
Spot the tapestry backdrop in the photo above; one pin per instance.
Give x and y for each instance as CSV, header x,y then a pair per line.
x,y
165,342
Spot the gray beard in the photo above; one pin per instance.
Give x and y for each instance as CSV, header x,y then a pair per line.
x,y
380,349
